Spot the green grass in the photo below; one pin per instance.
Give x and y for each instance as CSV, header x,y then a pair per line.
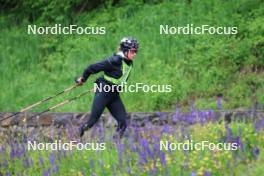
x,y
33,67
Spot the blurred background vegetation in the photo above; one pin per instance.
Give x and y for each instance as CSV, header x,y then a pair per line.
x,y
197,66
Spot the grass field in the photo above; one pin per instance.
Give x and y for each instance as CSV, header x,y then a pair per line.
x,y
197,66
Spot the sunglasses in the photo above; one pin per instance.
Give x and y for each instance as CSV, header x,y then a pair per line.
x,y
133,51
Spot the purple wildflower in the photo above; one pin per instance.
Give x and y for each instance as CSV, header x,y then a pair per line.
x,y
132,145
154,167
31,135
25,163
12,153
193,173
120,149
55,168
182,132
259,125
211,115
52,158
228,131
207,173
24,137
128,169
91,163
145,146
176,116
17,149
23,150
156,147
143,157
2,149
5,163
45,173
162,158
165,129
256,152
49,171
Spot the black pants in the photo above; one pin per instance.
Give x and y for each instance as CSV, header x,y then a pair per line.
x,y
113,102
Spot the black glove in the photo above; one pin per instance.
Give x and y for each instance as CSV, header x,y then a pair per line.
x,y
79,81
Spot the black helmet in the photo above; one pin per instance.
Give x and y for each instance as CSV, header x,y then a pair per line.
x,y
128,43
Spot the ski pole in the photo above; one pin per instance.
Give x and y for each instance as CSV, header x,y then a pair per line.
x,y
41,101
62,103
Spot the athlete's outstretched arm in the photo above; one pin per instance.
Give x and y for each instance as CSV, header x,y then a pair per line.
x,y
104,65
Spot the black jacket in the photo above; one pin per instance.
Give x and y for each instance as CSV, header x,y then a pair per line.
x,y
111,66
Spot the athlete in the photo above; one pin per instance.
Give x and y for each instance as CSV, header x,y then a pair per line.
x,y
116,70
